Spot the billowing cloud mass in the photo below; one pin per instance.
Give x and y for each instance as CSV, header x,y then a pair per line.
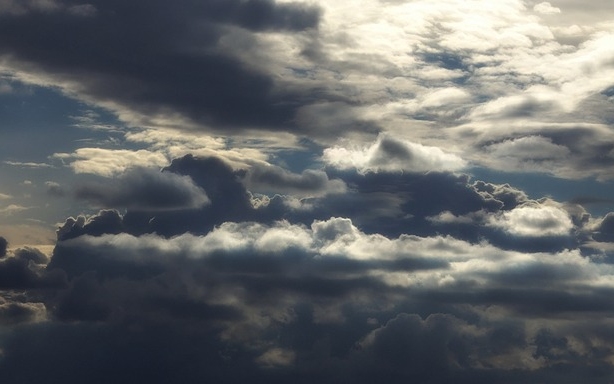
x,y
277,191
281,290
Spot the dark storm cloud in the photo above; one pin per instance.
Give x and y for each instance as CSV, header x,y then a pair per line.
x,y
106,221
414,349
25,269
145,189
160,56
12,313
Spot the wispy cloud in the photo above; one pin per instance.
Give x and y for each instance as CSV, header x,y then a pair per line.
x,y
27,164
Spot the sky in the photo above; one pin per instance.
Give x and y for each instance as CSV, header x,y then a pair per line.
x,y
268,191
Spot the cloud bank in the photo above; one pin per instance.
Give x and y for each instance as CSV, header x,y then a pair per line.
x,y
393,283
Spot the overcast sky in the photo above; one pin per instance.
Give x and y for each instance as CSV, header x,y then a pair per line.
x,y
267,191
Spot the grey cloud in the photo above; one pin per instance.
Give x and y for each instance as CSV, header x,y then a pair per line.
x,y
54,189
605,230
13,313
273,179
105,222
330,295
572,150
506,194
414,349
395,201
145,189
17,272
171,60
3,246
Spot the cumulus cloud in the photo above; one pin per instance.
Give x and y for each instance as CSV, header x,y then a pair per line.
x,y
24,269
389,154
365,303
145,189
535,221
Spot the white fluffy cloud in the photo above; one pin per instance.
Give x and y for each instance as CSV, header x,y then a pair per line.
x,y
534,221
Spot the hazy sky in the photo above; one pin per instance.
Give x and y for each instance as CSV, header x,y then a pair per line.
x,y
306,191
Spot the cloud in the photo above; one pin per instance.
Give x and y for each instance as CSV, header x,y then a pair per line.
x,y
311,221
24,269
427,308
20,313
267,179
389,154
535,221
208,86
83,10
395,201
13,208
604,231
3,246
106,221
23,7
27,164
109,162
145,189
546,8
54,189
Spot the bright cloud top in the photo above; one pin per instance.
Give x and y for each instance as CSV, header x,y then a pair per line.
x,y
535,221
388,154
